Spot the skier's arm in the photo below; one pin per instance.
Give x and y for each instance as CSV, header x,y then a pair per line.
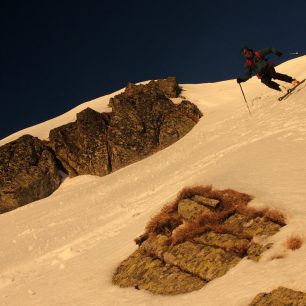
x,y
267,51
247,73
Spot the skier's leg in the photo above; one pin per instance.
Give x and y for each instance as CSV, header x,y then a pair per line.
x,y
280,76
266,79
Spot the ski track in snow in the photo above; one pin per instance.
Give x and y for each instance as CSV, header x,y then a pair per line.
x,y
62,250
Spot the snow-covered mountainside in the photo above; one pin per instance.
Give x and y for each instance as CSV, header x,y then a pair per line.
x,y
63,250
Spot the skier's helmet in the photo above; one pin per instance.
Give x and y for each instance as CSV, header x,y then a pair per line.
x,y
247,52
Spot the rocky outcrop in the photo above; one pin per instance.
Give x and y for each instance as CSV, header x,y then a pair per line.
x,y
28,172
144,121
254,227
281,297
202,235
82,146
189,209
169,86
147,272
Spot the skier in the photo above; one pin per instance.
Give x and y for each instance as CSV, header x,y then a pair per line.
x,y
255,61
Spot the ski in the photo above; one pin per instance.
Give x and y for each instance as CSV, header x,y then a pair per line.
x,y
290,91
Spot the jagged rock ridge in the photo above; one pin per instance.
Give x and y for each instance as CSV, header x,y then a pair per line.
x,y
143,120
184,246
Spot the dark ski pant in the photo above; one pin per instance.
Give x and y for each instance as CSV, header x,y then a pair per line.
x,y
272,74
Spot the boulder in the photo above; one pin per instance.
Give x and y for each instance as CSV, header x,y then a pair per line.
x,y
236,222
152,274
281,297
144,121
253,227
170,87
190,110
28,172
261,227
203,261
175,125
206,201
213,238
82,146
156,246
189,209
227,242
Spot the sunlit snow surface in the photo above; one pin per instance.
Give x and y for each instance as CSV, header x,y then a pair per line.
x,y
63,250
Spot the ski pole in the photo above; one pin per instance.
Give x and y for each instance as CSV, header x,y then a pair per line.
x,y
245,98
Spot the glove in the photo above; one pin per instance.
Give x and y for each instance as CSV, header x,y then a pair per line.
x,y
278,53
239,80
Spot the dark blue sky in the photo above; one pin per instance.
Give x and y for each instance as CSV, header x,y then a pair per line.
x,y
58,54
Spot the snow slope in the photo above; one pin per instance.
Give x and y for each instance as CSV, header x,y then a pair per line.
x,y
62,250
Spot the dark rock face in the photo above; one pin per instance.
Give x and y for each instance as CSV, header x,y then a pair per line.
x,y
144,121
199,237
81,146
189,110
28,172
170,87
